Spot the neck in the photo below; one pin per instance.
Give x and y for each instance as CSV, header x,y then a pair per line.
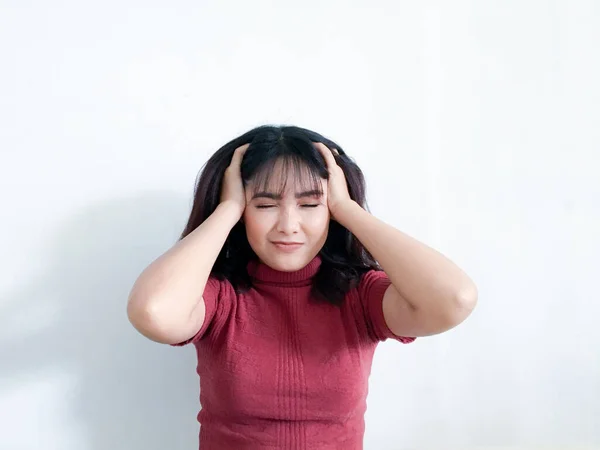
x,y
262,273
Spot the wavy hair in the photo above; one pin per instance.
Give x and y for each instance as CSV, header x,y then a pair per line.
x,y
343,258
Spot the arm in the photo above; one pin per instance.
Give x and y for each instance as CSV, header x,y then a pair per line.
x,y
429,294
165,303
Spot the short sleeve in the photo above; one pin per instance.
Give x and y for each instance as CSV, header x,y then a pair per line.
x,y
371,289
218,296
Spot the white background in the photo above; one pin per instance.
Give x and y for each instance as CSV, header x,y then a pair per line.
x,y
475,122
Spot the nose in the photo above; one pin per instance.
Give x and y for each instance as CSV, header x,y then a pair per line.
x,y
288,221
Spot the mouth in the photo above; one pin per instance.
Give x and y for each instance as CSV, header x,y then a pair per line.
x,y
287,246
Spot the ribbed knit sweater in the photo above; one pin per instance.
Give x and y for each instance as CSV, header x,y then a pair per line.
x,y
279,370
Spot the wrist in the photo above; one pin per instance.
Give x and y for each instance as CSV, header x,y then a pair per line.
x,y
230,212
345,211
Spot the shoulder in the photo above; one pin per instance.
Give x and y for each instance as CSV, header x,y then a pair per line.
x,y
220,287
219,298
367,301
371,283
374,282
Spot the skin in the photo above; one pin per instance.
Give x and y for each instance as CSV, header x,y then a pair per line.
x,y
429,294
165,303
297,216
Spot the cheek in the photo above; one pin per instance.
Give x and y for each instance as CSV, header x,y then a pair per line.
x,y
318,224
256,227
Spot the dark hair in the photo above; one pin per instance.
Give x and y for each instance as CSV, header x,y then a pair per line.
x,y
344,258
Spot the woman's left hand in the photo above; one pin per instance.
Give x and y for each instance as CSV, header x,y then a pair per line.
x,y
338,196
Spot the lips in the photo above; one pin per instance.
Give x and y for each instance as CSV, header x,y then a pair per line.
x,y
287,246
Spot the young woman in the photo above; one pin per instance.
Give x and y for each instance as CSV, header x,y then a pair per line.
x,y
285,285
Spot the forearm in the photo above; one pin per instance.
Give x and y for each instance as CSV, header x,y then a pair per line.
x,y
425,278
170,288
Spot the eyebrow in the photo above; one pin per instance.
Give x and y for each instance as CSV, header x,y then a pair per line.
x,y
273,196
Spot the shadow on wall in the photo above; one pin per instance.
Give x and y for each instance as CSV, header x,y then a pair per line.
x,y
130,393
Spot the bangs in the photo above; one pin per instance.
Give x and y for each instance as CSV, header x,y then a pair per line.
x,y
274,176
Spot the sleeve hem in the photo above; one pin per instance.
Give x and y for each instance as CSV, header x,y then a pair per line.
x,y
378,318
196,337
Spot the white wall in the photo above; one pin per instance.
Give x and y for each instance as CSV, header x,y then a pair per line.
x,y
476,124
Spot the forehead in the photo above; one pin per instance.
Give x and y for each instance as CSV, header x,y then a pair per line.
x,y
284,178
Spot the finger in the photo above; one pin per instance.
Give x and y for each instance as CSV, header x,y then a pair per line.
x,y
327,154
238,154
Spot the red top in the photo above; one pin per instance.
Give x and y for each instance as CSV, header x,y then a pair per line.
x,y
279,370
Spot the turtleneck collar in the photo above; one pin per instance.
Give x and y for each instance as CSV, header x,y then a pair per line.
x,y
262,273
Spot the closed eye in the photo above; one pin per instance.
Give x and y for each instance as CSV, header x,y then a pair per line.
x,y
307,205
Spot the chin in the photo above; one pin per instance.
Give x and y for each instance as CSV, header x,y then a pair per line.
x,y
287,263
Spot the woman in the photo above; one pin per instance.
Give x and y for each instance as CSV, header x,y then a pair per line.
x,y
285,284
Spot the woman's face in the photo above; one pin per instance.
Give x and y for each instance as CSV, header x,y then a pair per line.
x,y
287,231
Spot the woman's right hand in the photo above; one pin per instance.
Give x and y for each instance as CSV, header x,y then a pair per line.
x,y
232,189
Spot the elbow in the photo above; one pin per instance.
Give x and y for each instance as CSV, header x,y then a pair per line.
x,y
139,313
456,309
466,298
146,319
463,304
161,321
